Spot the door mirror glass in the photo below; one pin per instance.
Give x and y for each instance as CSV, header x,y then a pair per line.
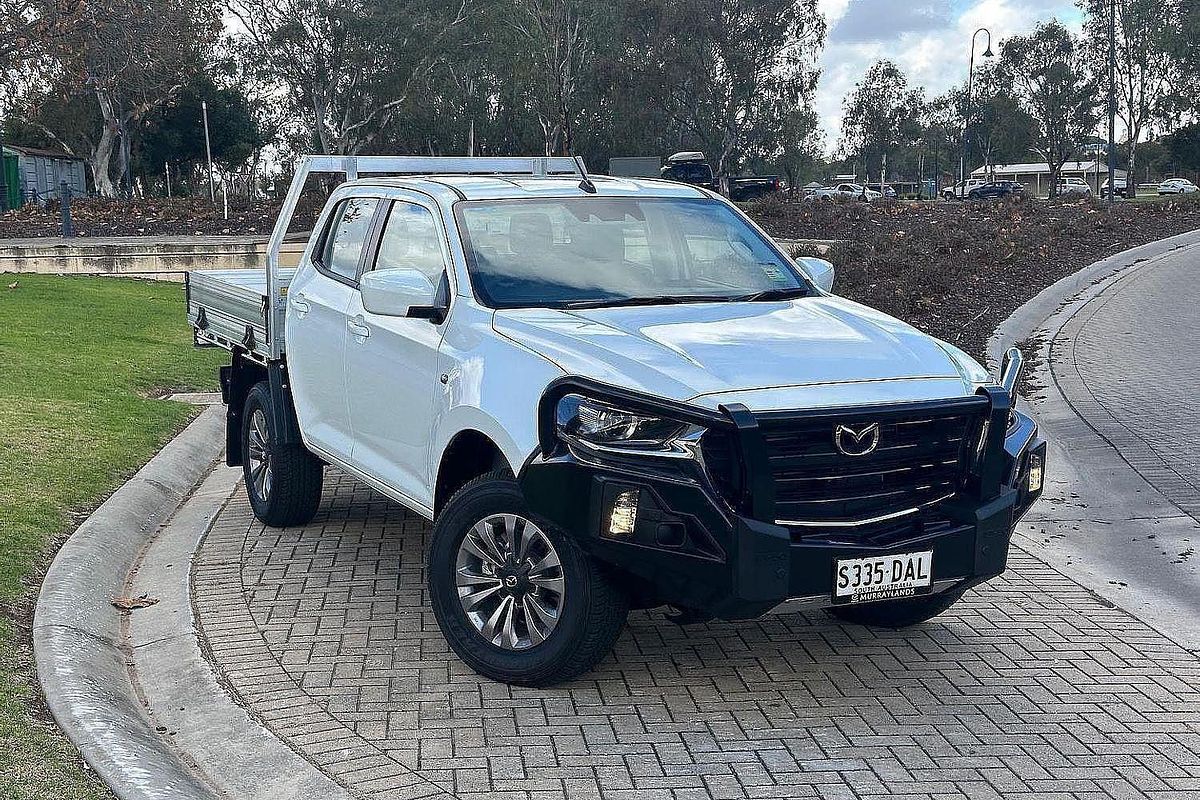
x,y
819,271
397,292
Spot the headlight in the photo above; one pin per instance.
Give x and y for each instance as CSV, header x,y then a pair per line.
x,y
599,425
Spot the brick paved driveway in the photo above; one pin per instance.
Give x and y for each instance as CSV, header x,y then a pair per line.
x,y
1030,688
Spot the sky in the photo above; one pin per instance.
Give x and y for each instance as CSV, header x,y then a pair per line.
x,y
929,39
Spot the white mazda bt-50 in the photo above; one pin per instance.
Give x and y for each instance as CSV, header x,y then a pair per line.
x,y
609,394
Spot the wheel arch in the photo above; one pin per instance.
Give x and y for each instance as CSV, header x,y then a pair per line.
x,y
469,454
237,379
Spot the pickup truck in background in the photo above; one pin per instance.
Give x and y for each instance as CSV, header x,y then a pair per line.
x,y
848,191
693,168
961,191
609,394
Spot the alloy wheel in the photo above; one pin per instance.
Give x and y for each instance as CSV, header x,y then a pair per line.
x,y
510,581
259,454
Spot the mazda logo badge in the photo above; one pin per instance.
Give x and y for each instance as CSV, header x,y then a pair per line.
x,y
861,442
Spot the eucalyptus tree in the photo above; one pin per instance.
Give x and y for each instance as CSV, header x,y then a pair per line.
x,y
750,64
563,38
348,66
1001,130
1051,79
881,117
33,30
1144,68
131,57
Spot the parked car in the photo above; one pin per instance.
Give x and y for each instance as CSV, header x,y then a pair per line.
x,y
961,190
1070,185
609,394
690,168
885,190
1121,185
996,189
693,168
1177,186
852,191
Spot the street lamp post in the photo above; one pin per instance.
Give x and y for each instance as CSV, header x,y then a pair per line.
x,y
1112,110
962,146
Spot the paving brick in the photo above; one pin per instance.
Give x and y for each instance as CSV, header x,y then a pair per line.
x,y
1028,688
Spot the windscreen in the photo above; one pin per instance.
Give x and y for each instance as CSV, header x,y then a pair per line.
x,y
562,252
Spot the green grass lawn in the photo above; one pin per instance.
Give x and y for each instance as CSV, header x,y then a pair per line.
x,y
80,362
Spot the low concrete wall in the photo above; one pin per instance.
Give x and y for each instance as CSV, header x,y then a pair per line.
x,y
170,257
158,257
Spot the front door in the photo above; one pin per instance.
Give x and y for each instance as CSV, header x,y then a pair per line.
x,y
393,361
316,330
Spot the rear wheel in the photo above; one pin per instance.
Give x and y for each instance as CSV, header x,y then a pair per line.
x,y
897,613
515,597
283,481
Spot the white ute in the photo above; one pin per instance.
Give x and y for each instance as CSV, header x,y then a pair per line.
x,y
609,394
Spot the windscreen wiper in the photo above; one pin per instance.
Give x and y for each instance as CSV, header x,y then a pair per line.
x,y
789,293
655,300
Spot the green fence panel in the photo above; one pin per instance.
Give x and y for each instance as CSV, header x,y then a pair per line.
x,y
12,176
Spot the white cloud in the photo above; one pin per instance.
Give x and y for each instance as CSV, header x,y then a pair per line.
x,y
930,44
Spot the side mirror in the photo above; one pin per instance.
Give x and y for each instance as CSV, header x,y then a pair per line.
x,y
398,293
819,271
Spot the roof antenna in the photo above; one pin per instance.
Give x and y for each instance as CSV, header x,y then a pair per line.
x,y
586,182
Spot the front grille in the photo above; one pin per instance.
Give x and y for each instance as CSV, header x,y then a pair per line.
x,y
879,534
718,450
922,456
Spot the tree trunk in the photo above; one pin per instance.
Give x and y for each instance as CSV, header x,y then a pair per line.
x,y
319,110
124,179
101,159
1131,175
102,153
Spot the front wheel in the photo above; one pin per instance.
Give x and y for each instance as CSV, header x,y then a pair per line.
x,y
897,613
516,598
283,481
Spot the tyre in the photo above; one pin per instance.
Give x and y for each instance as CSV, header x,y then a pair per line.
x,y
897,613
283,482
517,599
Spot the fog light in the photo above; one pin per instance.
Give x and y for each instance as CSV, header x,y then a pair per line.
x,y
1035,473
624,513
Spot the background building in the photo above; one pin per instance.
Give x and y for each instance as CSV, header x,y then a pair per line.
x,y
1036,176
39,173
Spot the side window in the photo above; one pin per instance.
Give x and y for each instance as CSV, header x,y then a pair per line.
x,y
347,235
411,240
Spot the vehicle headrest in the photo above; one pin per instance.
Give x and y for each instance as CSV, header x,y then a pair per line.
x,y
598,242
529,233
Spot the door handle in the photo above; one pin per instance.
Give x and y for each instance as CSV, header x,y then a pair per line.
x,y
300,304
358,328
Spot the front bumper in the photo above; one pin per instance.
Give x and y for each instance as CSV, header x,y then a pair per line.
x,y
690,548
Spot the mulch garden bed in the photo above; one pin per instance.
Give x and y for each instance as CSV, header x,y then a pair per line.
x,y
957,270
97,216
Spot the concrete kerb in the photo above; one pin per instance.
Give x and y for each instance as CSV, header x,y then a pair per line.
x,y
1089,479
234,752
77,633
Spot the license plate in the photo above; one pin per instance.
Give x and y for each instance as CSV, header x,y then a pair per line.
x,y
866,580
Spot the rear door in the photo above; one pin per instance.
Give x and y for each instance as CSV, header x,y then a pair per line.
x,y
316,329
393,361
